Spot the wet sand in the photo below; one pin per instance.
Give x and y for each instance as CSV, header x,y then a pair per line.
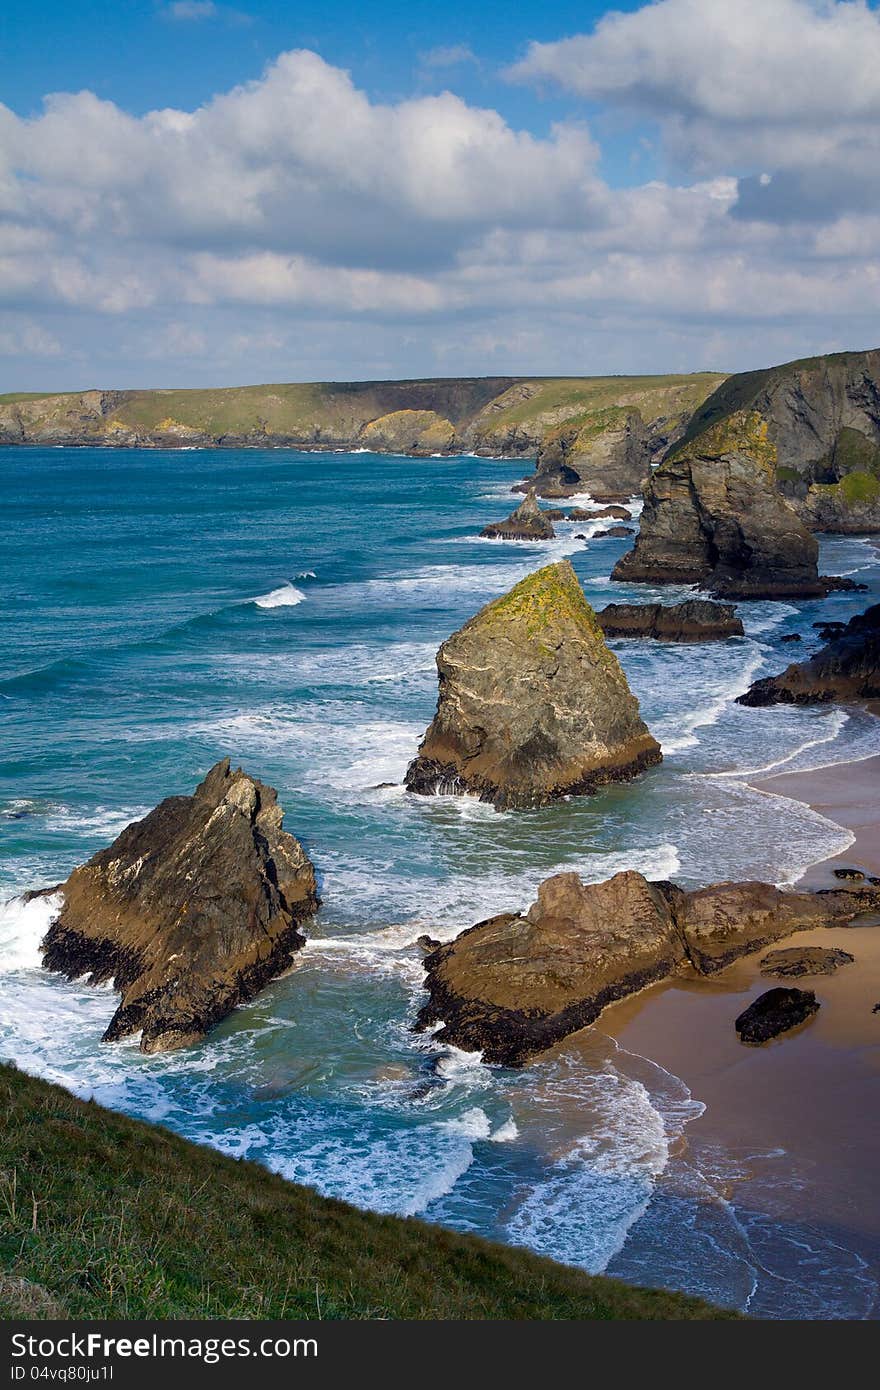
x,y
800,1117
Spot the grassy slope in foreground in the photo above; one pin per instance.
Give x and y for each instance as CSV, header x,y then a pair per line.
x,y
102,1216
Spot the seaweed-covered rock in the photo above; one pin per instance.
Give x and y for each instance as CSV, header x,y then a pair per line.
x,y
777,1011
533,706
518,983
190,911
847,669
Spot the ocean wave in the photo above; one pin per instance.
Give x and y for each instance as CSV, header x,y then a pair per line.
x,y
22,927
287,595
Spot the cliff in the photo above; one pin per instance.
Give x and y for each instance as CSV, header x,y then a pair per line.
x,y
508,416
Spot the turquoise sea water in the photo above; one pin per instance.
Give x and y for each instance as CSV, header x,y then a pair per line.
x,y
161,610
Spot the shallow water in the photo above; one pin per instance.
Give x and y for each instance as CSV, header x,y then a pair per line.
x,y
162,610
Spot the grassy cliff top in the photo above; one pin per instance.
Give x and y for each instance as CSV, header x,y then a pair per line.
x,y
744,389
107,1217
304,410
743,431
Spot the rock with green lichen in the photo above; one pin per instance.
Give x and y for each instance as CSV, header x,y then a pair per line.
x,y
533,706
606,454
713,516
848,507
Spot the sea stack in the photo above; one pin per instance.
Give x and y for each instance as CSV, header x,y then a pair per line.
x,y
533,706
526,523
847,669
696,620
190,911
713,516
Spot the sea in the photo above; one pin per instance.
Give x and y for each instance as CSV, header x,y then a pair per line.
x,y
161,610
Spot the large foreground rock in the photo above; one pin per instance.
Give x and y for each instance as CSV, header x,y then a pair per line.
x,y
516,984
713,516
774,1012
533,705
847,669
696,620
526,523
190,911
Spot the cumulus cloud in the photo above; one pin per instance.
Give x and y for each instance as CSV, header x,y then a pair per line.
x,y
788,89
294,227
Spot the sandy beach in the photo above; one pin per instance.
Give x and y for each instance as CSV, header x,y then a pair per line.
x,y
800,1116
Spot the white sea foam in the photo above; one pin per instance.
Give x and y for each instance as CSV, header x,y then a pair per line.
x,y
711,686
22,927
287,595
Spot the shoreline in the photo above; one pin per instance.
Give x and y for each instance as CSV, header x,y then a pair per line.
x,y
799,1117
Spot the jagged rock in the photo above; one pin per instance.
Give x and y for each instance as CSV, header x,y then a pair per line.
x,y
516,984
805,960
777,1011
713,517
823,418
847,669
791,637
533,706
696,620
190,911
526,523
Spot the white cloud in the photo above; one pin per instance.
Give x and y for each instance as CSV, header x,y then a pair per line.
x,y
449,56
789,88
191,10
293,227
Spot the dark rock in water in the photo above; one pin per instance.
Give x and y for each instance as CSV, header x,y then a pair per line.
x,y
516,984
527,523
533,706
856,874
791,637
839,584
190,911
713,516
827,629
579,536
555,514
847,669
775,1012
427,943
696,620
795,961
582,514
616,531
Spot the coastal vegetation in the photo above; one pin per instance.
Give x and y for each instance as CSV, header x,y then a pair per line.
x,y
106,1217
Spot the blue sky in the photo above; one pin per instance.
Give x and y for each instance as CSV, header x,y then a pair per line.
x,y
663,186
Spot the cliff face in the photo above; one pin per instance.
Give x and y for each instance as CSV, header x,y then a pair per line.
x,y
505,416
189,912
846,669
823,419
516,984
713,516
532,706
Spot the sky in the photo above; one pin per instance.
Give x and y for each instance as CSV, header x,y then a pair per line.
x,y
194,193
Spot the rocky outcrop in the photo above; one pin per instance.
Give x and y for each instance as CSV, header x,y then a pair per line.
x,y
516,984
823,420
696,620
618,532
795,961
777,1011
714,517
526,523
409,432
190,911
847,669
532,706
608,454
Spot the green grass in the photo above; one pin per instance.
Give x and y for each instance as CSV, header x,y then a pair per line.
x,y
102,1216
579,397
